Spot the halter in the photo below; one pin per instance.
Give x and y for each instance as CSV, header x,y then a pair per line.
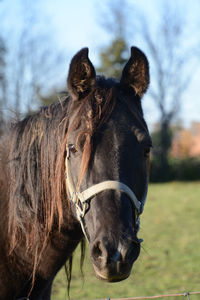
x,y
80,199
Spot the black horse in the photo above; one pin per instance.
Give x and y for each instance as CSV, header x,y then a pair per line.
x,y
77,168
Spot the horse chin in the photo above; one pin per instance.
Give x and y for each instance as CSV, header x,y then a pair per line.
x,y
109,275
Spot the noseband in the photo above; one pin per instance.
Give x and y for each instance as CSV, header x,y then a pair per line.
x,y
81,199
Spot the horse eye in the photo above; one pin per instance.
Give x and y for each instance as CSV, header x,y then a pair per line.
x,y
72,148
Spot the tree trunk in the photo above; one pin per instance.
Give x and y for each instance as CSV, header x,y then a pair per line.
x,y
165,145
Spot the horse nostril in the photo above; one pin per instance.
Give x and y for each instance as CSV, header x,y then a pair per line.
x,y
117,257
97,251
133,253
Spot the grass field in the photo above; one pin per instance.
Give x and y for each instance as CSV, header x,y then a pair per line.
x,y
170,257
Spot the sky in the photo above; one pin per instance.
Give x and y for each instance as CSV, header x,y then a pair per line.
x,y
72,25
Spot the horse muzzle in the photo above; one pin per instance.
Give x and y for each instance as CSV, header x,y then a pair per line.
x,y
113,265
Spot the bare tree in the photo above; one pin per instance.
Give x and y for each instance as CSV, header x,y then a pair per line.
x,y
32,63
169,63
170,66
113,17
34,67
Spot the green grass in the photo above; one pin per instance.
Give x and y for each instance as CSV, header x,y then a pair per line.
x,y
170,257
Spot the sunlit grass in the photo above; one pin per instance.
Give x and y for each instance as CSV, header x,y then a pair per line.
x,y
170,258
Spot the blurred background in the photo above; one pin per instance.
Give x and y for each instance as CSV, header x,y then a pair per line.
x,y
37,41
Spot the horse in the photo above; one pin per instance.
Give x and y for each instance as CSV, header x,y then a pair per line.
x,y
76,170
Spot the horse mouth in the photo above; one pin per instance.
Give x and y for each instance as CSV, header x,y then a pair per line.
x,y
113,273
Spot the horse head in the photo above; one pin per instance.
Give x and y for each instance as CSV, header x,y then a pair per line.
x,y
107,157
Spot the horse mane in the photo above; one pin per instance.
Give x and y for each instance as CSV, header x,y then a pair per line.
x,y
37,150
36,183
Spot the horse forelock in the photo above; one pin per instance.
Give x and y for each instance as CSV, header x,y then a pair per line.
x,y
93,112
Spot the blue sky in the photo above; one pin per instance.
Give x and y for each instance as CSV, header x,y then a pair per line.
x,y
76,24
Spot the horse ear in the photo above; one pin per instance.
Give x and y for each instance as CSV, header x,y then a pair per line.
x,y
82,75
136,72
